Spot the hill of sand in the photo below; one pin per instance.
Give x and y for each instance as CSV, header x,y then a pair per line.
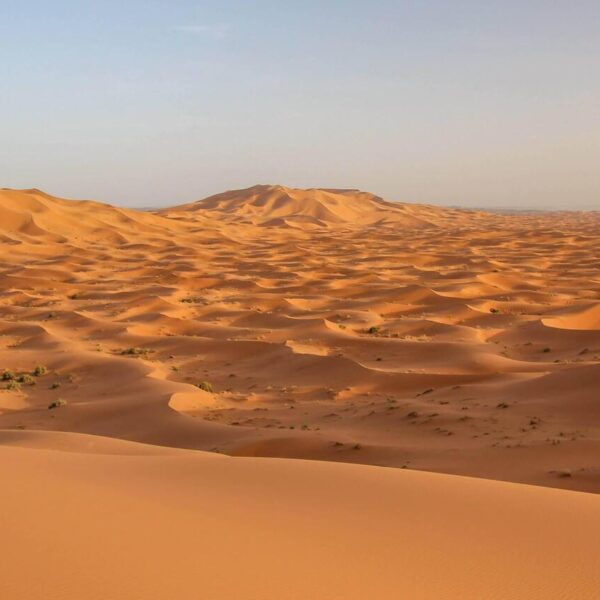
x,y
34,215
317,324
278,206
94,518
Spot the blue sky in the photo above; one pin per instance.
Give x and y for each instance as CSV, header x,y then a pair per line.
x,y
476,103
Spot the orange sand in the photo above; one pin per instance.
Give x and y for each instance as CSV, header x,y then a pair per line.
x,y
106,519
331,325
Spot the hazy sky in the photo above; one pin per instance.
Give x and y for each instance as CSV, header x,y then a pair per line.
x,y
477,103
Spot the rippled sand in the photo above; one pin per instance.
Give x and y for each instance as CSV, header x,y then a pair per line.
x,y
319,324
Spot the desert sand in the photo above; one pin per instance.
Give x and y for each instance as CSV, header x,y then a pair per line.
x,y
275,323
95,518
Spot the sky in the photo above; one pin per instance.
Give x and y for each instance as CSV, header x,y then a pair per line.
x,y
474,103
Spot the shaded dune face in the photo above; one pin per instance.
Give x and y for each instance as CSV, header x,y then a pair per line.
x,y
329,324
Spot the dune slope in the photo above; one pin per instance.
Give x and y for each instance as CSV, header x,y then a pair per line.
x,y
223,528
45,218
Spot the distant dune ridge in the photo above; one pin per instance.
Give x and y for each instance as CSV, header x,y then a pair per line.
x,y
276,205
33,212
322,324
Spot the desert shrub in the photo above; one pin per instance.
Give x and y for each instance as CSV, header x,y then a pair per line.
x,y
8,376
55,385
373,330
40,370
494,310
135,351
57,404
13,386
205,386
27,379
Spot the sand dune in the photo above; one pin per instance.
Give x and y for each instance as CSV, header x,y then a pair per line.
x,y
34,213
583,318
125,521
326,324
279,206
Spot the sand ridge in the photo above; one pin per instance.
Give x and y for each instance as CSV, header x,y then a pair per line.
x,y
330,324
280,206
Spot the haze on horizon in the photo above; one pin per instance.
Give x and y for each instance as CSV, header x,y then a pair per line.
x,y
155,103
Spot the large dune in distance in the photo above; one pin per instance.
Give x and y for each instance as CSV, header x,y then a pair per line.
x,y
457,346
49,219
279,206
